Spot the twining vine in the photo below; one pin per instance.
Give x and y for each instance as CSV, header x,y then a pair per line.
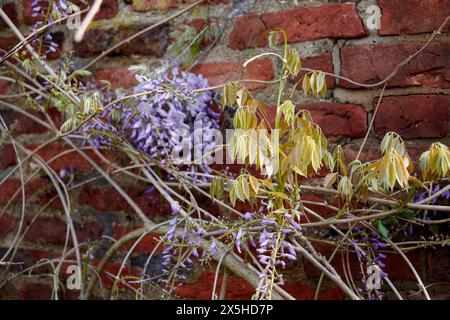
x,y
384,205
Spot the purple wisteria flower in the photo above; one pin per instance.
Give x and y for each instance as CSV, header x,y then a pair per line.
x,y
50,11
371,258
170,119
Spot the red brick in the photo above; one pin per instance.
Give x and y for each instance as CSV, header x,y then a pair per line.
x,y
10,10
322,63
199,25
147,5
43,291
119,77
69,159
303,292
438,265
26,258
396,267
9,291
219,73
372,152
35,291
28,11
416,116
108,199
128,273
322,211
369,153
34,188
369,64
338,119
147,244
7,156
96,41
108,9
4,87
201,289
413,16
21,124
8,42
415,150
332,20
49,230
7,223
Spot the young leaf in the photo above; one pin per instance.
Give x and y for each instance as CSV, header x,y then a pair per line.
x,y
382,230
294,64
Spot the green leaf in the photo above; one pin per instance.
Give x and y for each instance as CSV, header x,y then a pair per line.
x,y
408,213
294,64
82,73
382,230
272,39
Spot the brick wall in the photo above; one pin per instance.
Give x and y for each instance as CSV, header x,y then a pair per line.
x,y
330,35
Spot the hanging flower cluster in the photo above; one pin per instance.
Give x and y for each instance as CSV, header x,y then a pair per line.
x,y
174,119
371,260
48,11
168,121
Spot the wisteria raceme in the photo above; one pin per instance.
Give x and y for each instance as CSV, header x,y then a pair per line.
x,y
171,117
174,114
51,10
372,257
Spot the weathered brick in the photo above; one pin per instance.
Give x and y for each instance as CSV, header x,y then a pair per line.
x,y
332,20
108,9
18,123
219,73
7,156
119,77
26,258
10,10
50,230
396,267
28,12
413,16
324,212
7,223
200,24
68,159
338,119
33,190
372,152
147,5
147,244
96,41
323,63
4,87
201,289
7,42
438,265
128,274
301,291
369,153
369,64
108,199
415,116
35,291
43,291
